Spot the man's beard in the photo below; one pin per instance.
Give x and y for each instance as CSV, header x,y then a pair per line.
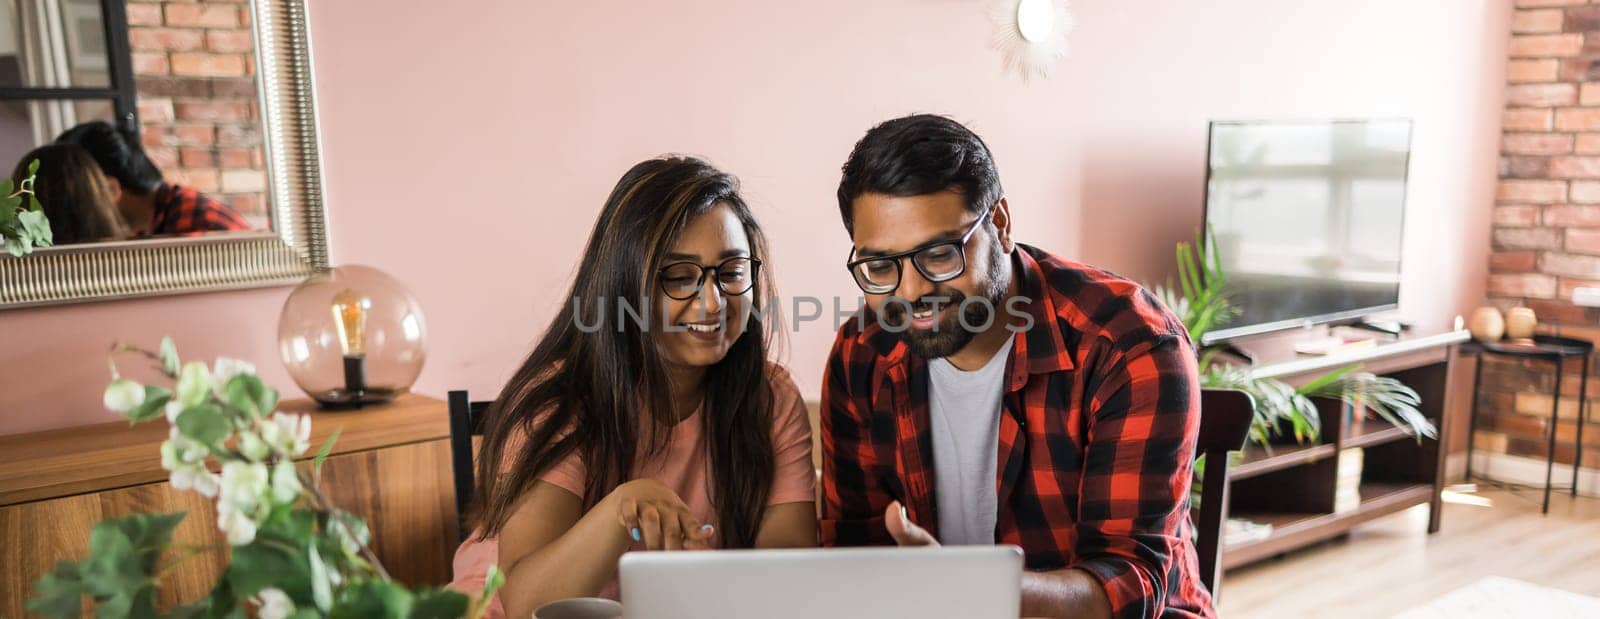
x,y
950,335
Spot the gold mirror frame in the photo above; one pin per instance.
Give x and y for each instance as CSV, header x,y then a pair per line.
x,y
296,247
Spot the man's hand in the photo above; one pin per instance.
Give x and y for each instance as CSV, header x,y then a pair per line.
x,y
905,532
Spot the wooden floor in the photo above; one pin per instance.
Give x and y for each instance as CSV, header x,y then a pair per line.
x,y
1391,564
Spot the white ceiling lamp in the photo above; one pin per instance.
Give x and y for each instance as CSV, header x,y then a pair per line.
x,y
1031,34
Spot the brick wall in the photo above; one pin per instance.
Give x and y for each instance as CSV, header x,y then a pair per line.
x,y
194,66
1546,220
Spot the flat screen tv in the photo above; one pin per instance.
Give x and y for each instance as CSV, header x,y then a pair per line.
x,y
1306,219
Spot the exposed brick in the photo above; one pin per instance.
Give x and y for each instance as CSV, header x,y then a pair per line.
x,y
165,157
1532,70
203,180
1584,192
165,39
1538,405
1537,3
1528,120
142,14
1537,21
1527,238
1580,69
202,15
197,158
1527,285
207,65
240,87
256,180
242,41
1578,119
212,110
149,63
1570,265
1540,45
1559,311
1518,215
1523,95
1583,241
196,135
251,204
1512,261
1575,167
156,135
1568,215
236,158
245,135
1589,94
1531,191
1564,290
1582,19
172,87
153,109
1524,167
1587,144
1536,143
1519,423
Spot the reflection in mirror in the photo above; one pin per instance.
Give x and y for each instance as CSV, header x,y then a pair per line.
x,y
161,96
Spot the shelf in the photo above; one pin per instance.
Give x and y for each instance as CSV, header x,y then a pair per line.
x,y
1291,531
1256,460
1374,432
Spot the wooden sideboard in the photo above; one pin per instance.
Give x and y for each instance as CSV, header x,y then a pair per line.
x,y
391,466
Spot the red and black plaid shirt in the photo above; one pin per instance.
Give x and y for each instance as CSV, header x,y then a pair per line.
x,y
1097,438
183,211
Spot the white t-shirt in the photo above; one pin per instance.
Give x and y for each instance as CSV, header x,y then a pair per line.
x,y
964,412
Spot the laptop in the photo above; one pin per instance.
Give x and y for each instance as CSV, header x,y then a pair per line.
x,y
964,582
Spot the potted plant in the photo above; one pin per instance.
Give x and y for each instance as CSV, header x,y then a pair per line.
x,y
292,552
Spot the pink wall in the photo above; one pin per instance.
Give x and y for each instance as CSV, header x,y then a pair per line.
x,y
468,148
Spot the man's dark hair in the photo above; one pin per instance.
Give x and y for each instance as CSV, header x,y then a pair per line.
x,y
919,155
119,154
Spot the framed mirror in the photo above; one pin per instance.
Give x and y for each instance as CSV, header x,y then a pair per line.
x,y
178,146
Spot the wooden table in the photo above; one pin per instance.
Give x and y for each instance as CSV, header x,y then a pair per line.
x,y
391,466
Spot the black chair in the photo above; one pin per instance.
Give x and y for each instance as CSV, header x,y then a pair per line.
x,y
466,421
1556,350
1225,417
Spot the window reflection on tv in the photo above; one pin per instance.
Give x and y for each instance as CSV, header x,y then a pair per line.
x,y
1307,219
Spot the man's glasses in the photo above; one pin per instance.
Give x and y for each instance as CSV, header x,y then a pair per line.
x,y
684,280
940,261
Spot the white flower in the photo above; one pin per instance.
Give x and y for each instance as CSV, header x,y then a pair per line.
x,y
194,381
197,478
173,409
185,451
239,528
252,446
285,483
244,488
275,604
224,370
123,394
287,433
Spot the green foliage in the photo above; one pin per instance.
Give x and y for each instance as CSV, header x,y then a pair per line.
x,y
1201,300
293,553
23,225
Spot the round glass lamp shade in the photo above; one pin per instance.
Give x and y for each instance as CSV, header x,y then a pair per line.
x,y
352,336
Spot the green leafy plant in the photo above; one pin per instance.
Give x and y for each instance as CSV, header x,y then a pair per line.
x,y
23,225
1202,302
293,552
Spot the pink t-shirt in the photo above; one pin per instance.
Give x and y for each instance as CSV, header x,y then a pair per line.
x,y
683,466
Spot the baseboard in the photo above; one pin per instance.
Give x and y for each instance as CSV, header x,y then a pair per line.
x,y
1519,470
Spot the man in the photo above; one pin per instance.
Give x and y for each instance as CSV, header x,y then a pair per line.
x,y
990,392
150,205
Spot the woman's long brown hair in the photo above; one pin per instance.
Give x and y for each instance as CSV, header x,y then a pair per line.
x,y
582,389
74,193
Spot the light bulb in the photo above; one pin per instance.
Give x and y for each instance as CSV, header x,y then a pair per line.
x,y
350,318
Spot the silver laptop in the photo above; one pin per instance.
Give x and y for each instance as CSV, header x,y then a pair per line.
x,y
964,582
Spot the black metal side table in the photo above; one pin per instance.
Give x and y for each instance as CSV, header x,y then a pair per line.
x,y
1557,350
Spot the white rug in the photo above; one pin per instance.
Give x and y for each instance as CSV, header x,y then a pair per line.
x,y
1494,598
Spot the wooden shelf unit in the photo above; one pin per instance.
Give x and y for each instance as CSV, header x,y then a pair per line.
x,y
1293,487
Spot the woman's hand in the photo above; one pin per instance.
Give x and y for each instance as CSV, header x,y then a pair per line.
x,y
652,513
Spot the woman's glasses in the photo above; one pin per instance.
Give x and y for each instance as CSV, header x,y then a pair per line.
x,y
684,280
940,261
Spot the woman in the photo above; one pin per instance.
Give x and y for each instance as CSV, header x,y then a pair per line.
x,y
77,199
647,417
